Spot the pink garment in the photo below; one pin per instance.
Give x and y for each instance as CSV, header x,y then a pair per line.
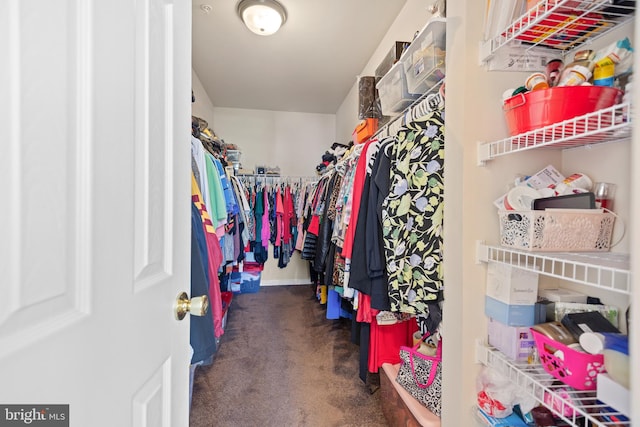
x,y
288,215
300,240
279,220
266,228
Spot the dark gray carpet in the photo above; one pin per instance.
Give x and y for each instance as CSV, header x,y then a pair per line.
x,y
282,363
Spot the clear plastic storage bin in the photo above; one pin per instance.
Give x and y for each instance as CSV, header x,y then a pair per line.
x,y
424,59
392,91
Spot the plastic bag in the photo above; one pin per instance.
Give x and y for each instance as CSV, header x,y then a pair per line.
x,y
497,395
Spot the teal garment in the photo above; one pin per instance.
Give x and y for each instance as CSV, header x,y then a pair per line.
x,y
229,196
216,193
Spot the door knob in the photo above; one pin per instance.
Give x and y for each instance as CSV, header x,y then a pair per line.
x,y
197,306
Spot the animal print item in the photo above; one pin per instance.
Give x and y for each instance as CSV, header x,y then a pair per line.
x,y
414,374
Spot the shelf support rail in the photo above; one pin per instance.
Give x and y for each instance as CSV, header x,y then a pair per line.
x,y
610,271
608,123
578,407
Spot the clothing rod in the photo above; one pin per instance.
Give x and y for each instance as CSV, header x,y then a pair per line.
x,y
409,110
277,176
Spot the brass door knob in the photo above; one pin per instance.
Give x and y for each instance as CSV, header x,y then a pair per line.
x,y
197,306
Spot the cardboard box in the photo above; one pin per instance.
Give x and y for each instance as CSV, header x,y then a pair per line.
x,y
515,342
391,58
511,285
510,314
613,394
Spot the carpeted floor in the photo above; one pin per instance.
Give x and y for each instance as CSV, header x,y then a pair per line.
x,y
282,363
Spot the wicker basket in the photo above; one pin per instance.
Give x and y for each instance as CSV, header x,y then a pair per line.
x,y
574,368
571,230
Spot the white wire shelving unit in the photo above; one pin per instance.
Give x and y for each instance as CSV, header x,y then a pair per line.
x,y
559,28
603,270
560,25
605,125
579,408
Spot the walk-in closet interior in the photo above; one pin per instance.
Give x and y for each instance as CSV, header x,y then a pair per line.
x,y
413,213
383,212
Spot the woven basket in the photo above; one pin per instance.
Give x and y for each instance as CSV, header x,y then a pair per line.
x,y
562,230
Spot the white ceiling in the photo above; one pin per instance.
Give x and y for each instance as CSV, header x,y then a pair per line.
x,y
308,66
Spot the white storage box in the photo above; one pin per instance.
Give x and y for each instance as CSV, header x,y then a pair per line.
x,y
563,295
613,394
509,314
392,91
424,60
511,285
515,342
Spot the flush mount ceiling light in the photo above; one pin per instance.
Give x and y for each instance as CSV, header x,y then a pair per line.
x,y
263,17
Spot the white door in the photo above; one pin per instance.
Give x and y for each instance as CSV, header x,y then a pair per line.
x,y
95,209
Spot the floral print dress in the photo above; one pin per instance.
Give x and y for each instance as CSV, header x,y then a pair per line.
x,y
412,216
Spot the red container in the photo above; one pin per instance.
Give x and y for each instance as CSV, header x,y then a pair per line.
x,y
533,110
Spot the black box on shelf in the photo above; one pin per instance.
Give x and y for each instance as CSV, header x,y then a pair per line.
x,y
591,321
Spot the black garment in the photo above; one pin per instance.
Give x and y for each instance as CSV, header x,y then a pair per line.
x,y
309,248
359,273
432,320
326,227
376,260
365,334
329,265
260,253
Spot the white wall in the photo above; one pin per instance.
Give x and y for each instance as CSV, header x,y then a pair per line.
x,y
411,18
293,141
202,107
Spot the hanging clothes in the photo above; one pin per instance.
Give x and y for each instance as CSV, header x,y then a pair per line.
x,y
259,252
216,195
214,257
412,216
368,273
201,334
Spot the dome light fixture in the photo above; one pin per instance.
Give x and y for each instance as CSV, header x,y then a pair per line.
x,y
263,17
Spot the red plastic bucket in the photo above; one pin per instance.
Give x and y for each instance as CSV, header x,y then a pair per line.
x,y
533,110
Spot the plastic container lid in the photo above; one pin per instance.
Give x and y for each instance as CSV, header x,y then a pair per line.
x,y
616,342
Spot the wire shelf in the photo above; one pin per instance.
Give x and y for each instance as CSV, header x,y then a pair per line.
x,y
562,25
606,125
603,270
581,408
